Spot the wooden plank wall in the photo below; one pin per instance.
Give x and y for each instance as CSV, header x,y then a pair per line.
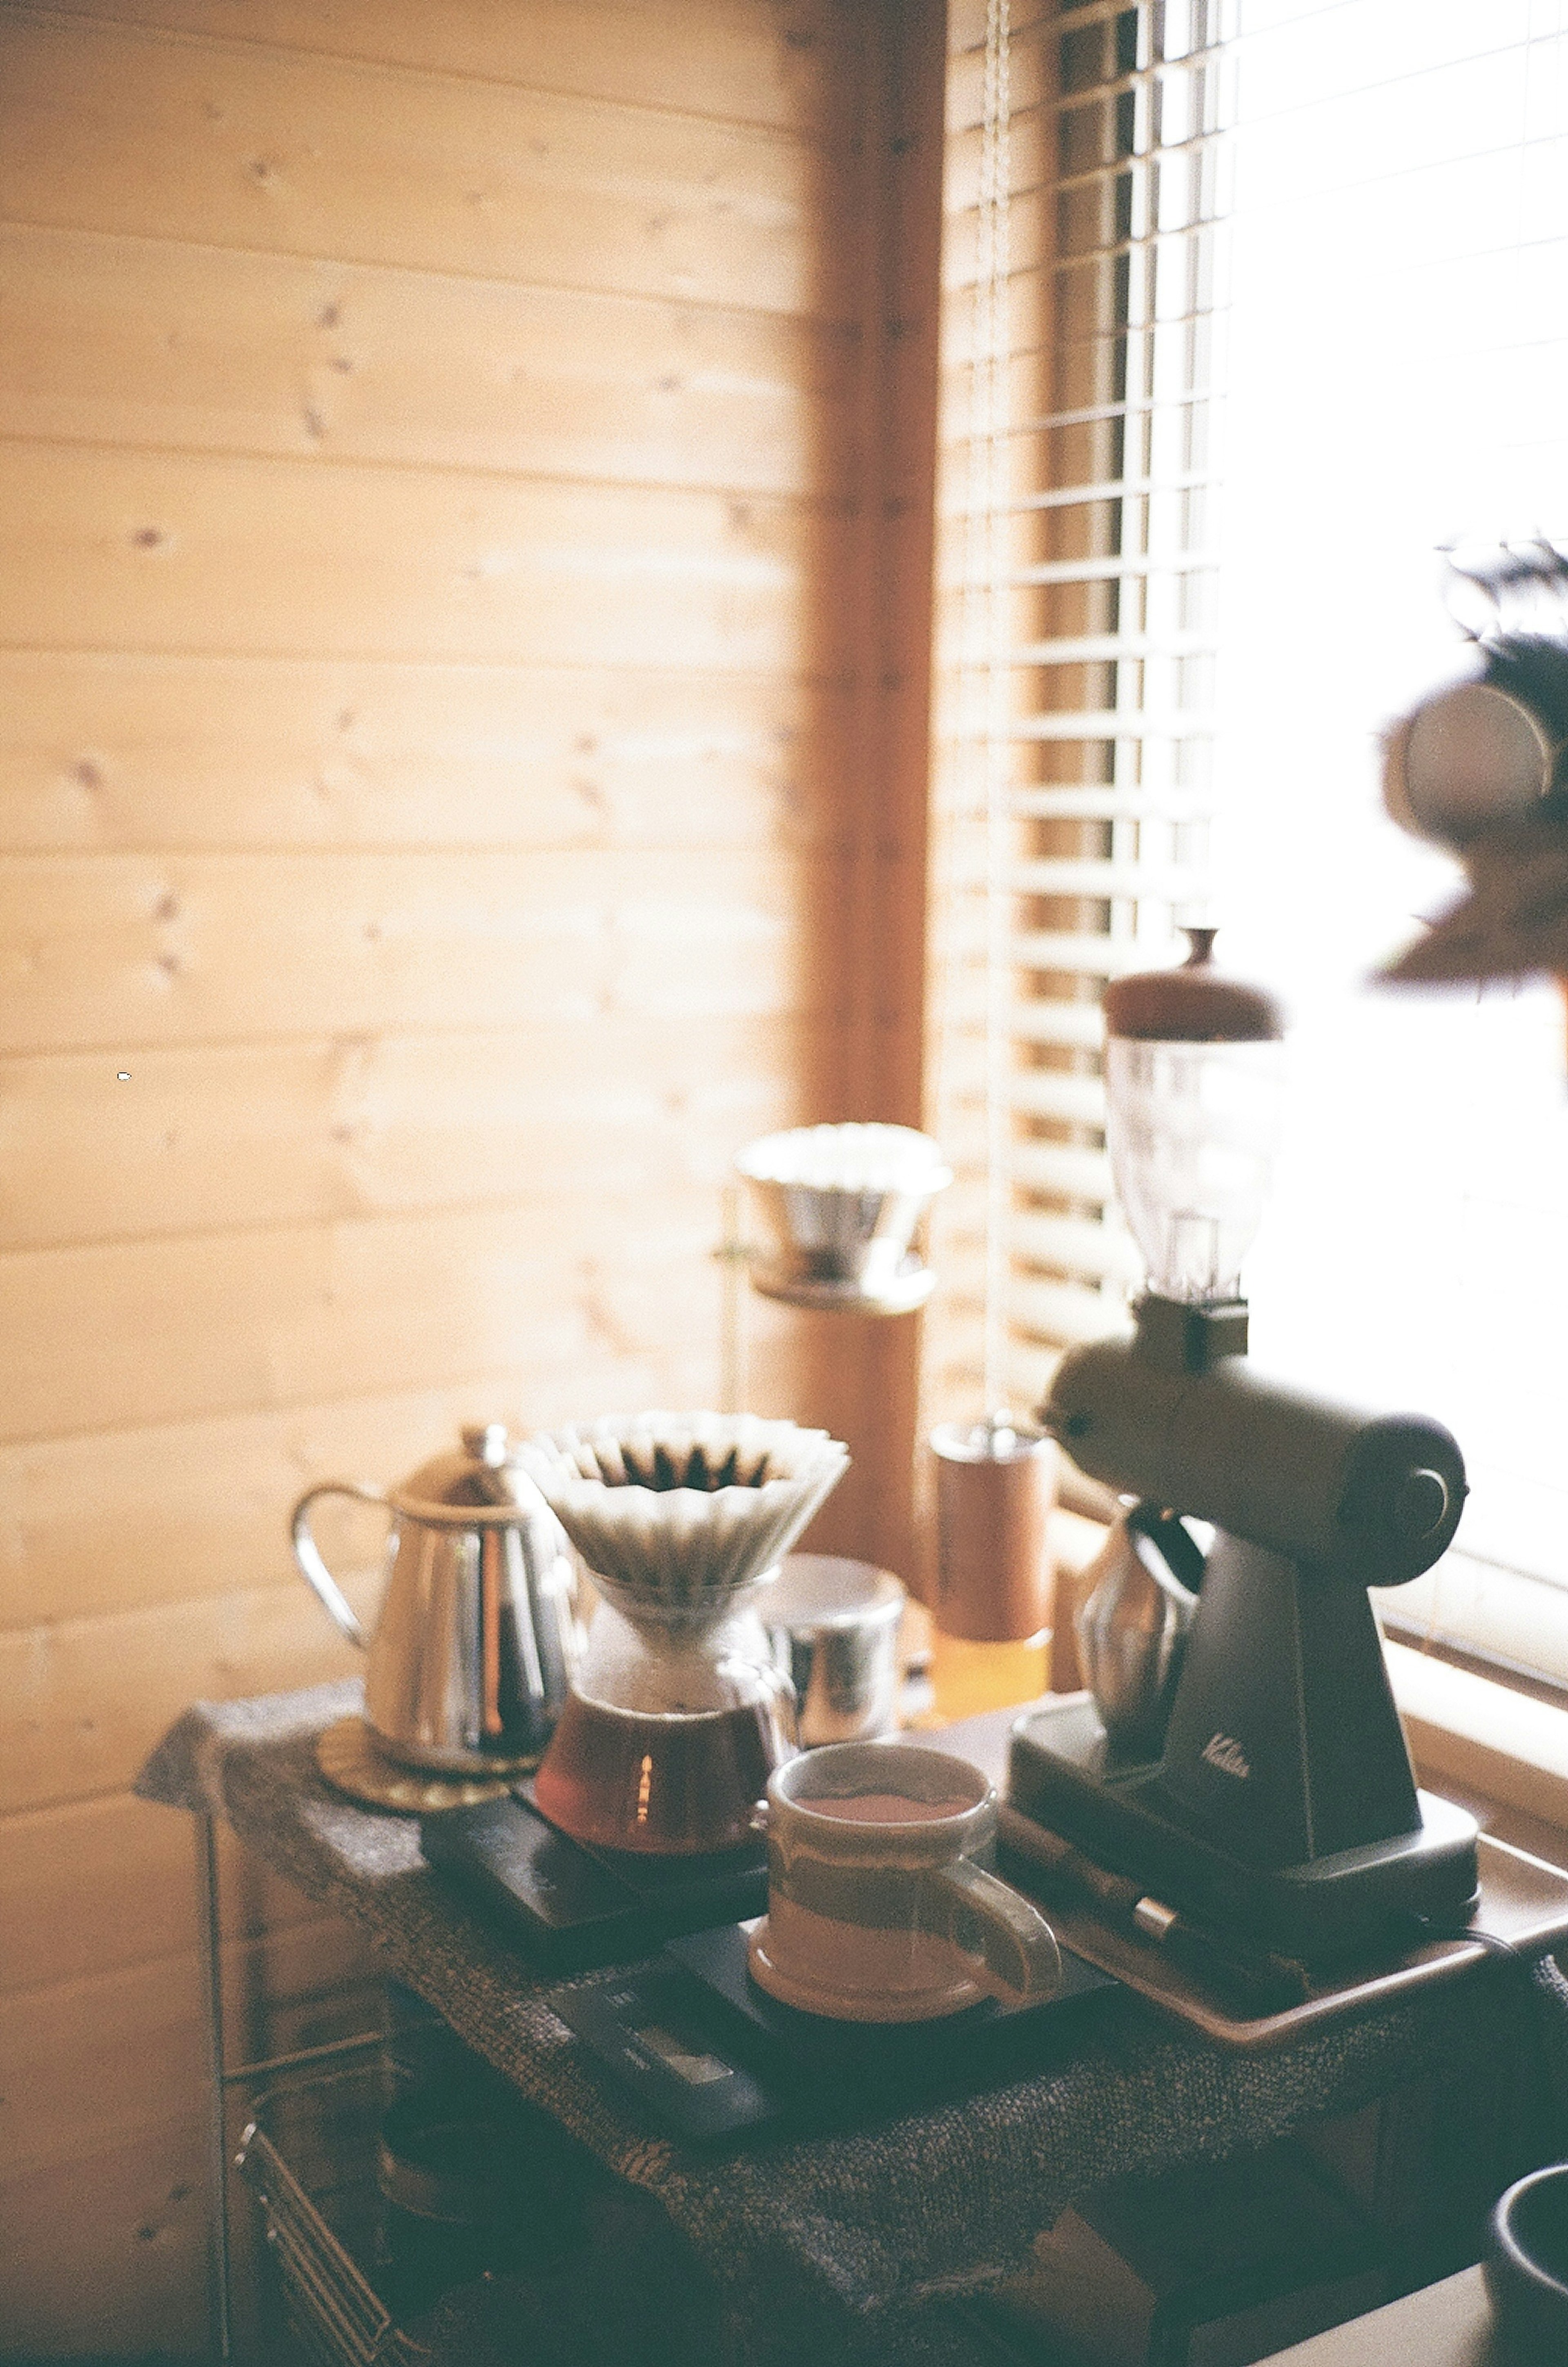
x,y
465,510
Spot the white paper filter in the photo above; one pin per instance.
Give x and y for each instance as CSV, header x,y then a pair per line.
x,y
676,1511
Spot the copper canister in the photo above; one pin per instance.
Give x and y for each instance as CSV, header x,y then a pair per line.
x,y
996,1484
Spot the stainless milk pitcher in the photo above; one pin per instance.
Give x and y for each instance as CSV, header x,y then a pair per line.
x,y
478,1631
1132,1628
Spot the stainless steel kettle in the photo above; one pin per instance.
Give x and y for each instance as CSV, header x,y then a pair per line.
x,y
478,1632
1132,1627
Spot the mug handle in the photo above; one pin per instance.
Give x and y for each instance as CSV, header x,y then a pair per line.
x,y
308,1553
995,1926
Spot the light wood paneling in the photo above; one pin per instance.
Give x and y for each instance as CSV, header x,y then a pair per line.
x,y
794,64
459,755
214,753
134,341
88,2064
150,1331
85,1699
129,950
88,1886
112,1521
209,1140
147,551
237,145
107,2257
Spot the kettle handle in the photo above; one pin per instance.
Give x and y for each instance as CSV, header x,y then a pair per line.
x,y
1174,1542
308,1553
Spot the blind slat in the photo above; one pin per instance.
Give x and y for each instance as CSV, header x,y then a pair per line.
x,y
1050,1092
1061,1314
1103,489
1092,956
1077,1246
1078,876
1092,324
1105,805
1061,1169
1105,723
1074,1026
1079,1026
1131,567
1090,647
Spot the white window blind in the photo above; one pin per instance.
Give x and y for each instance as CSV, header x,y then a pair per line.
x,y
1286,311
1085,195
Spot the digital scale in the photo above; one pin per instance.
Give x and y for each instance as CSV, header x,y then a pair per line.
x,y
689,2035
573,1907
711,2056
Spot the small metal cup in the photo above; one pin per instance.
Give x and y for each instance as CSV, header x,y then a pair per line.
x,y
833,1627
843,1202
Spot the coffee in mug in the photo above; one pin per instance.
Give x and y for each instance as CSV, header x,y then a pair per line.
x,y
880,1906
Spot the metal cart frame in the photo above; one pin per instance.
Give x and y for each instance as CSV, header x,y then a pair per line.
x,y
276,2177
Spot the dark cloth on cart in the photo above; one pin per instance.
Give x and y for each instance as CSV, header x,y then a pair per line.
x,y
843,2247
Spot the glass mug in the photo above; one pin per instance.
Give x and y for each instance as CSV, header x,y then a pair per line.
x,y
879,1906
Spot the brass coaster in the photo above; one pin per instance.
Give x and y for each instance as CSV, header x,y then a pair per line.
x,y
351,1762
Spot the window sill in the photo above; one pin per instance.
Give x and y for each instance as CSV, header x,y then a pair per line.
x,y
1471,1733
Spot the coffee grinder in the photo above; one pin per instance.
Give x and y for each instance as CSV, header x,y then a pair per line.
x,y
1279,1807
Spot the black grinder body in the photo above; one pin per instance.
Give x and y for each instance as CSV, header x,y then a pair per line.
x,y
1283,1806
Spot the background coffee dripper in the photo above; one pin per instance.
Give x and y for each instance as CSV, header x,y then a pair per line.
x,y
841,1204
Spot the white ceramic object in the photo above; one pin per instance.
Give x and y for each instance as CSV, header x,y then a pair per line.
x,y
676,1511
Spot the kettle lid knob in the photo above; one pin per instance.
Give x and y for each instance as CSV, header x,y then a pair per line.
x,y
487,1441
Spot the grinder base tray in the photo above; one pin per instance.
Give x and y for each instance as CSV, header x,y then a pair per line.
x,y
1523,1901
1328,1910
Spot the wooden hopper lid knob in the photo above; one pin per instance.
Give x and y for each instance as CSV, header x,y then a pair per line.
x,y
1193,1003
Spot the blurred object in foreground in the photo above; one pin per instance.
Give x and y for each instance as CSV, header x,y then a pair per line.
x,y
1481,766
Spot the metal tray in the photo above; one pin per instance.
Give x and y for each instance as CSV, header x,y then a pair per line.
x,y
1524,1902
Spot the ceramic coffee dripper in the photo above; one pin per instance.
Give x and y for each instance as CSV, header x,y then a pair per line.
x,y
678,1711
881,1906
478,1633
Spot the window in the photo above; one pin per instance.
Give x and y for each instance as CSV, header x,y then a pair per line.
x,y
1253,306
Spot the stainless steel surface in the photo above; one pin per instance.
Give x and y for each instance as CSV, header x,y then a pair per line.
x,y
220,2279
1132,1629
871,1292
477,1630
841,1204
833,1628
307,1553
